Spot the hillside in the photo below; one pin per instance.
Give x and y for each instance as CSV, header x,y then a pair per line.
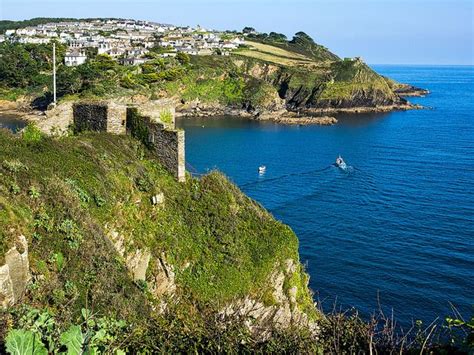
x,y
298,75
90,264
269,77
81,209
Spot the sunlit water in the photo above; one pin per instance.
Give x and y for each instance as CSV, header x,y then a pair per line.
x,y
11,122
396,228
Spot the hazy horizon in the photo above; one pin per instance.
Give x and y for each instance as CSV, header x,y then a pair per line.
x,y
430,32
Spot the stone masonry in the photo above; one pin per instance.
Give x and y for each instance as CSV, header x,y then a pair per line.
x,y
167,143
108,116
14,274
101,117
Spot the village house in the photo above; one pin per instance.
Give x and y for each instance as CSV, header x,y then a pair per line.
x,y
75,58
128,41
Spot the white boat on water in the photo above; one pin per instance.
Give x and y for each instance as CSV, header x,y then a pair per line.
x,y
262,169
340,163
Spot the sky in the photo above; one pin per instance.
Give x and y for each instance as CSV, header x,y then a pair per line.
x,y
380,31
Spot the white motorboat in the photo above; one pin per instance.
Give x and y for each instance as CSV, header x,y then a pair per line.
x,y
340,163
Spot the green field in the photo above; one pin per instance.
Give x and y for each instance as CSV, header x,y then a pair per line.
x,y
274,54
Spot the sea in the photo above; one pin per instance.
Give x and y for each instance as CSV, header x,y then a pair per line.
x,y
395,231
11,122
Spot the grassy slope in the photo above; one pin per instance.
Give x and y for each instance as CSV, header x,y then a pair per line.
x,y
274,54
309,80
84,183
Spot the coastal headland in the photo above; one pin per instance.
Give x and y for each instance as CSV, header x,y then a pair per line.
x,y
260,76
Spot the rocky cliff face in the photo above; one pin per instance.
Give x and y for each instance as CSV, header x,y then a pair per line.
x,y
331,87
284,313
107,227
15,273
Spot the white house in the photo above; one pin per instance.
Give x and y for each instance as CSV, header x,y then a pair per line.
x,y
104,47
75,58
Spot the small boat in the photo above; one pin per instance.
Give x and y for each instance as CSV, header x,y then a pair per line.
x,y
340,163
262,169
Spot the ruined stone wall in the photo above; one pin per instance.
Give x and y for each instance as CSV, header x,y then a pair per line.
x,y
153,124
168,144
169,148
100,117
116,119
160,111
90,117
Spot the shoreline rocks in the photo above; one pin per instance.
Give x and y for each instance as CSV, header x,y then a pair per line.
x,y
306,120
309,116
411,91
58,119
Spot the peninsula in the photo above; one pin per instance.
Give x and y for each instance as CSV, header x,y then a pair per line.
x,y
205,72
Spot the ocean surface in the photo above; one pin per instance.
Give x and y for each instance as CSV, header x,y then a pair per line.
x,y
11,122
397,230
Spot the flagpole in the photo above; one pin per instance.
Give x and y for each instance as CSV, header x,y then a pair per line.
x,y
54,73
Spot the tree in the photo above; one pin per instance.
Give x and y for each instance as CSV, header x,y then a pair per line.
x,y
301,37
277,37
248,30
183,58
69,81
17,66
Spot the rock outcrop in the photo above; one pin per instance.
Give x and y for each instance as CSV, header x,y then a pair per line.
x,y
15,273
283,314
163,278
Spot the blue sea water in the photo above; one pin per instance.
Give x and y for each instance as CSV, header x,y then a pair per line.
x,y
11,122
399,227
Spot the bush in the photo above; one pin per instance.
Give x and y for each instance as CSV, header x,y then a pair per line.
x,y
183,58
32,134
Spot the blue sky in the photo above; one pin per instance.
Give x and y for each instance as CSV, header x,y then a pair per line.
x,y
381,31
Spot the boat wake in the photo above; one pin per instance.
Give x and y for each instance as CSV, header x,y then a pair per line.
x,y
346,169
261,180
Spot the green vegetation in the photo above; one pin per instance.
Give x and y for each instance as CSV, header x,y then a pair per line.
x,y
71,194
32,134
273,54
303,73
166,117
301,43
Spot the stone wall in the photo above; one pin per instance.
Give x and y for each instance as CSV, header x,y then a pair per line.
x,y
90,117
162,111
167,143
169,148
116,118
153,123
100,117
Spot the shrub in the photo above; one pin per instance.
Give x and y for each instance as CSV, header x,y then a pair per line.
x,y
34,192
32,133
166,116
14,166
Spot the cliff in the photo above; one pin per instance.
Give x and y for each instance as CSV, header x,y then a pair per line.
x,y
269,80
93,222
